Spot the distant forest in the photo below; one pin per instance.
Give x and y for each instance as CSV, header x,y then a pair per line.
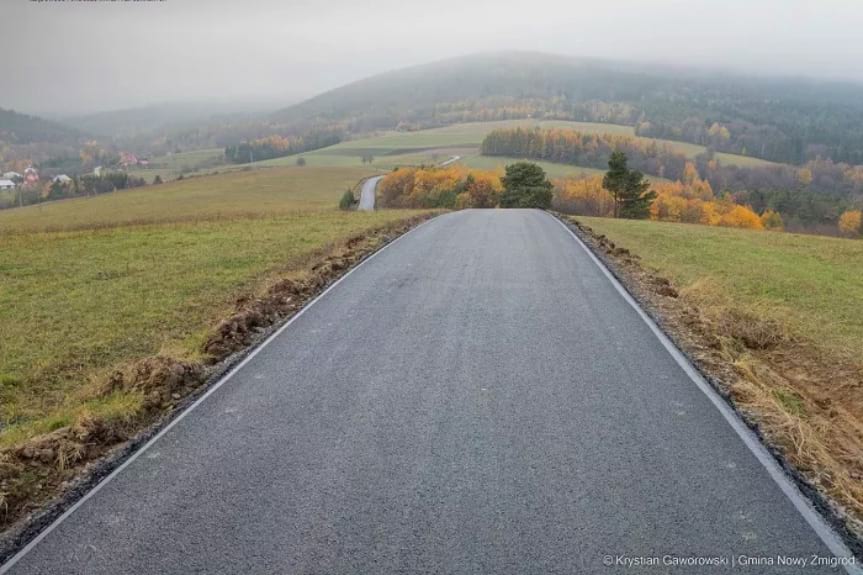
x,y
789,121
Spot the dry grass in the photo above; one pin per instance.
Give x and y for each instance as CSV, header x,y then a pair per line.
x,y
785,347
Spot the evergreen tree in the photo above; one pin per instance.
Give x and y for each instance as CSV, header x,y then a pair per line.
x,y
347,202
525,186
632,197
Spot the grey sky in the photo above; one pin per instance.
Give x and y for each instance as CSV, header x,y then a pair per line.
x,y
63,57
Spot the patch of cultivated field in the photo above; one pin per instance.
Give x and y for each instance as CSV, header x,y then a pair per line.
x,y
811,283
422,147
170,166
134,273
552,169
465,140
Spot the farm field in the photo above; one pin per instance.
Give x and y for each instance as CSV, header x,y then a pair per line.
x,y
391,149
552,169
470,135
171,166
85,285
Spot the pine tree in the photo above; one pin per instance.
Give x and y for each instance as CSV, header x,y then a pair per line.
x,y
632,197
525,186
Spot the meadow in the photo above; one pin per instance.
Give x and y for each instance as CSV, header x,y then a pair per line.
x,y
170,167
88,284
809,283
391,149
242,192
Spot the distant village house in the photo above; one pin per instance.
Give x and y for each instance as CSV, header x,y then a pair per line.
x,y
129,159
7,184
31,176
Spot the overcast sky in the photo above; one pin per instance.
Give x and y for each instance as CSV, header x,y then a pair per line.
x,y
76,56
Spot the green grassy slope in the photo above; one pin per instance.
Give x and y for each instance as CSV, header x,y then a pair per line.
x,y
131,273
810,283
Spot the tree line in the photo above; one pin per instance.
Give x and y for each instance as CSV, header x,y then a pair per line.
x,y
807,196
279,146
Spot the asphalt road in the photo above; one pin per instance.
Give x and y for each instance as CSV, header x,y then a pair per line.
x,y
477,398
367,193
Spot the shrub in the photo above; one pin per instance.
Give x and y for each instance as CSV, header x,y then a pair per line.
x,y
772,221
851,223
347,202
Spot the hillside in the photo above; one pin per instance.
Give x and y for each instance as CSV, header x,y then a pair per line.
x,y
173,116
18,128
783,120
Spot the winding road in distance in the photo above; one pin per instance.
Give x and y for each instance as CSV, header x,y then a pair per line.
x,y
370,186
367,194
479,397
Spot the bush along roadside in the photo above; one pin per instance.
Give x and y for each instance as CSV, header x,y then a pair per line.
x,y
774,379
42,476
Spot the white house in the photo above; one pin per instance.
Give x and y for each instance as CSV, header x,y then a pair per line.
x,y
12,176
7,184
62,179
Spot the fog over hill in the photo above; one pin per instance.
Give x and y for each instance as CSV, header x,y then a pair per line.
x,y
782,119
138,53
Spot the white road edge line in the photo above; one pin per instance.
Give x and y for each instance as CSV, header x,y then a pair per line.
x,y
45,532
824,531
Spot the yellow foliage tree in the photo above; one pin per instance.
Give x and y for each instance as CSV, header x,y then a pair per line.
x,y
741,217
772,220
452,187
851,223
584,196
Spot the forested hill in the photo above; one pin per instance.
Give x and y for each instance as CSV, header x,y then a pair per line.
x,y
784,120
18,128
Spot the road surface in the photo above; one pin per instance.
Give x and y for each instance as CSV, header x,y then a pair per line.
x,y
367,193
477,398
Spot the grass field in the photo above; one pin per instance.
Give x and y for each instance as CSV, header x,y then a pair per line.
x,y
133,273
391,149
470,136
171,166
810,283
250,192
